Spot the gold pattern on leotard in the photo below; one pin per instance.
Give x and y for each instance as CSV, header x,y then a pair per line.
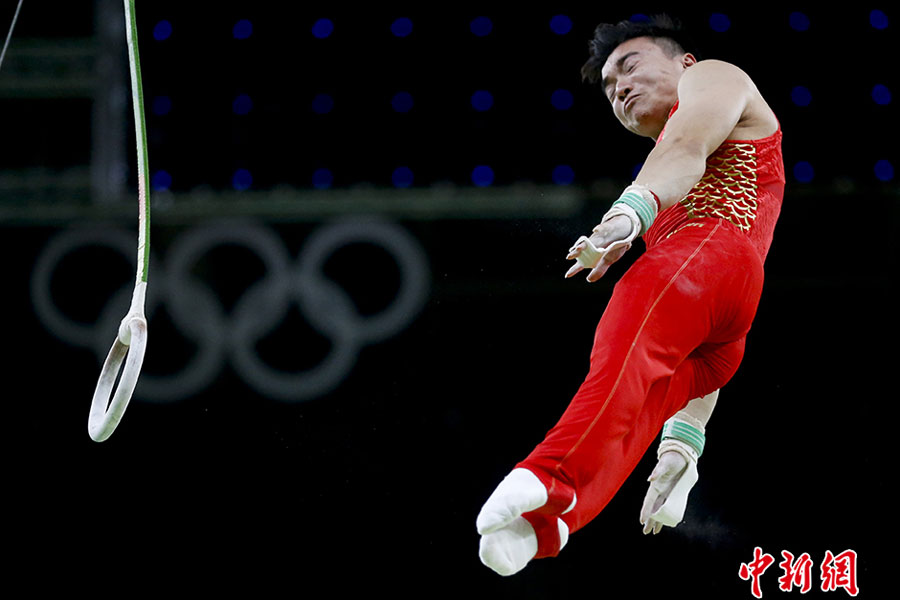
x,y
728,188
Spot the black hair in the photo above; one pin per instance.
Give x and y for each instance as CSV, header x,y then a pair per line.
x,y
666,31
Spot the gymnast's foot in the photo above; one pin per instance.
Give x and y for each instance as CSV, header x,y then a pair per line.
x,y
519,492
508,550
508,540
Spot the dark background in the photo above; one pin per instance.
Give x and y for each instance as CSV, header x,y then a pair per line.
x,y
374,485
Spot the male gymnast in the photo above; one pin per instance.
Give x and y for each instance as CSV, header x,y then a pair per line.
x,y
705,202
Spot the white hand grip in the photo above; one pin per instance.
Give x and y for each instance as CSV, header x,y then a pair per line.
x,y
591,255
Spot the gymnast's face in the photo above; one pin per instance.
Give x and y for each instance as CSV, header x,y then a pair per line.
x,y
640,80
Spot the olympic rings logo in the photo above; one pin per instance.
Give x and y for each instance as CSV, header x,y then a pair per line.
x,y
230,337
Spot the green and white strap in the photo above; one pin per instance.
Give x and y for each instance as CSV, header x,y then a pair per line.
x,y
639,204
686,430
131,341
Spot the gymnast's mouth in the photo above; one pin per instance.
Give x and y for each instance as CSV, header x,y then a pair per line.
x,y
629,102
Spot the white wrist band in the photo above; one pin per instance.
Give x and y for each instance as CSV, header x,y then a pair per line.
x,y
643,202
639,205
685,429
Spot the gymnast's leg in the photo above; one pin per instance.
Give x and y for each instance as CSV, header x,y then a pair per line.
x,y
671,303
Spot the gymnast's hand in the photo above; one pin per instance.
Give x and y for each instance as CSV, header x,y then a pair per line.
x,y
669,470
609,241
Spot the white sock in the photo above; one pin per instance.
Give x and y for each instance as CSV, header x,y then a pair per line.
x,y
519,492
508,549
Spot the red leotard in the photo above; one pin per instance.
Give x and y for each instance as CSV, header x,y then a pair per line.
x,y
674,330
743,184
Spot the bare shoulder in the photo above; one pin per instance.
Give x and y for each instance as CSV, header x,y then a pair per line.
x,y
757,120
719,70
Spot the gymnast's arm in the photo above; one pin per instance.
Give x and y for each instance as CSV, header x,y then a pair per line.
x,y
676,470
713,97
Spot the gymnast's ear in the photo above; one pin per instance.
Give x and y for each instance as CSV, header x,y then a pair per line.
x,y
688,59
